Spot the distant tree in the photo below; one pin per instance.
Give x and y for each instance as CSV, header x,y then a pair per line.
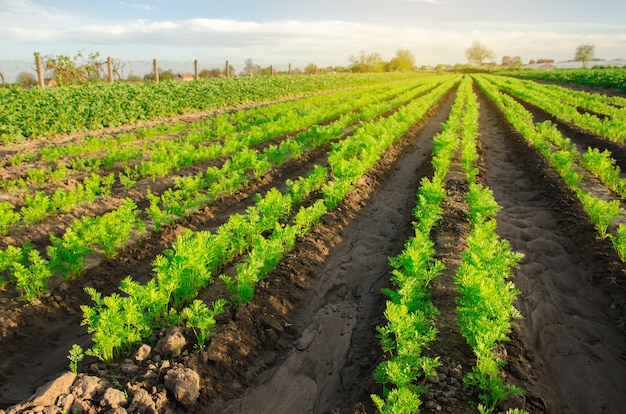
x,y
164,75
404,60
511,62
250,69
212,73
267,71
477,54
26,79
311,69
532,61
366,63
584,53
133,78
76,69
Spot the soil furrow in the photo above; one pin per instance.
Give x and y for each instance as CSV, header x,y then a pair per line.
x,y
26,360
330,364
568,337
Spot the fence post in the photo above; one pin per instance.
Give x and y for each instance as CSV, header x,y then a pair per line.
x,y
195,68
290,68
39,66
227,71
156,70
110,68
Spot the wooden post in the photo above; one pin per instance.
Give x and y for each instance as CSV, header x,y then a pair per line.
x,y
156,70
110,68
289,69
39,65
195,68
227,71
271,69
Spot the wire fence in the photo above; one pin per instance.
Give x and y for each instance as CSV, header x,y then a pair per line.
x,y
127,69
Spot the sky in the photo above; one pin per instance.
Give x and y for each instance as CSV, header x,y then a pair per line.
x,y
323,32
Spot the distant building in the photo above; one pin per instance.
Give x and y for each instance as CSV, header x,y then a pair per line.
x,y
184,77
550,64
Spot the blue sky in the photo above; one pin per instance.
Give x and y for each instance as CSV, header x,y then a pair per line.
x,y
324,32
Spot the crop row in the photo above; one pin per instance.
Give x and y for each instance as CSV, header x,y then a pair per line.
x,y
216,125
563,156
196,257
189,194
484,308
67,254
38,112
565,104
165,156
602,77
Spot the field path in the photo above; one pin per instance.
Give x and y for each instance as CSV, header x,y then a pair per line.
x,y
328,367
565,278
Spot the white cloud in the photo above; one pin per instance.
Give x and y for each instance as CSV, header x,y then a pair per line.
x,y
24,23
138,6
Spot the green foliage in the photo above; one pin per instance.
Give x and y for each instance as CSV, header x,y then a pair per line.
x,y
8,217
93,106
601,212
481,202
619,241
36,208
31,276
75,355
67,254
202,319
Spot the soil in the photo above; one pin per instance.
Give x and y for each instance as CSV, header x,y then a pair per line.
x,y
307,342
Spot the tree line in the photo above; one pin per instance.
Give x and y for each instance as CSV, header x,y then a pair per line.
x,y
83,68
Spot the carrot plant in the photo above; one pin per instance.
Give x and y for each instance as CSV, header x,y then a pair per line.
x,y
409,310
485,310
201,319
8,217
67,254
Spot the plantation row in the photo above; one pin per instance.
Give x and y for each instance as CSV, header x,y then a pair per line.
x,y
605,78
196,258
484,308
94,106
110,232
601,115
604,210
208,141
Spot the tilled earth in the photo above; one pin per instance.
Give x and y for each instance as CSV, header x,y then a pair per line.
x,y
307,342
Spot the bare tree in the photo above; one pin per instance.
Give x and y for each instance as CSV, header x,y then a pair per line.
x,y
250,68
478,53
584,53
77,69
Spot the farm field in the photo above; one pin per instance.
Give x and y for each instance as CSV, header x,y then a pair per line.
x,y
277,236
